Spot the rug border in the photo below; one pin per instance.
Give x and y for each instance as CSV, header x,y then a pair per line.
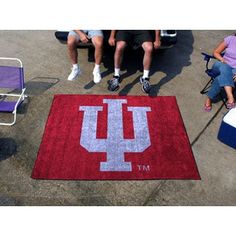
x,y
120,96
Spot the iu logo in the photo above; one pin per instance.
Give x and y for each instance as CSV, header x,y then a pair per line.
x,y
115,145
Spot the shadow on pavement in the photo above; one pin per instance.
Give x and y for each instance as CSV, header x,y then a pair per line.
x,y
172,61
169,61
38,85
8,147
89,85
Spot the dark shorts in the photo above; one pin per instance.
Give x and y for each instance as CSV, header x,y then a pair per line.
x,y
135,38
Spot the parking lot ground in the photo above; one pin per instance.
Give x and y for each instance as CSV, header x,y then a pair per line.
x,y
178,71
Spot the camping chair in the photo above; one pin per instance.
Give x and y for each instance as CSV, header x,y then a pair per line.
x,y
11,78
212,74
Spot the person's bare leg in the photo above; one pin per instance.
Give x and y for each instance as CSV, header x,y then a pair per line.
x,y
72,49
229,93
147,59
98,44
207,105
208,102
73,54
118,57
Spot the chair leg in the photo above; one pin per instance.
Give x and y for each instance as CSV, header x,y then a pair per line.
x,y
207,86
223,99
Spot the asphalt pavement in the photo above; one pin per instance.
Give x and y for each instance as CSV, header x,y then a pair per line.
x,y
178,71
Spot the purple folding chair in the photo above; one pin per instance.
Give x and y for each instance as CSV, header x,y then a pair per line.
x,y
11,78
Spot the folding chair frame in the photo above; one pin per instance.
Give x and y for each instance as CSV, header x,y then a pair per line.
x,y
20,97
212,76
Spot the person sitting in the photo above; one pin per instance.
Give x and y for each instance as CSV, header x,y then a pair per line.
x,y
225,67
121,38
74,38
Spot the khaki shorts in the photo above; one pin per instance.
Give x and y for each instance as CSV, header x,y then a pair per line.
x,y
90,33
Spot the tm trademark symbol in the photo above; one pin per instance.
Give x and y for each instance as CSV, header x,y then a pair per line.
x,y
143,167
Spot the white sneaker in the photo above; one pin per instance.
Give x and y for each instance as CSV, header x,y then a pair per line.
x,y
74,73
96,77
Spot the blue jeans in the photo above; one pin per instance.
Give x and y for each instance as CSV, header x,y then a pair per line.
x,y
225,78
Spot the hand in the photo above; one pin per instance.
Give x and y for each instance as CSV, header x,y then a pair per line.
x,y
84,38
234,78
157,43
222,61
112,41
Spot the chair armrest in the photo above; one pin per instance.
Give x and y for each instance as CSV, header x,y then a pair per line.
x,y
12,59
207,57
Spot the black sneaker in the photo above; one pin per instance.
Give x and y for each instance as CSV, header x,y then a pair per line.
x,y
114,83
146,87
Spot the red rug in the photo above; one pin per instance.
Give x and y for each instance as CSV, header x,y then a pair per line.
x,y
103,137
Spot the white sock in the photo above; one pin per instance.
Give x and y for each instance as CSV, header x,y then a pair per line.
x,y
96,67
117,71
145,73
75,66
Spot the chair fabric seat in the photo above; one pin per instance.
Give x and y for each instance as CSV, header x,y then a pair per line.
x,y
10,77
7,106
12,87
212,73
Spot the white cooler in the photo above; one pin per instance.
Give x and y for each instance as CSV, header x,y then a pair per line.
x,y
227,131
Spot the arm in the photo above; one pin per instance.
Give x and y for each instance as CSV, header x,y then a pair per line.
x,y
218,50
83,37
112,40
157,42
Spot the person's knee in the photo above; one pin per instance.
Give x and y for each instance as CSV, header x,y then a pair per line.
x,y
71,43
120,46
148,47
98,43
